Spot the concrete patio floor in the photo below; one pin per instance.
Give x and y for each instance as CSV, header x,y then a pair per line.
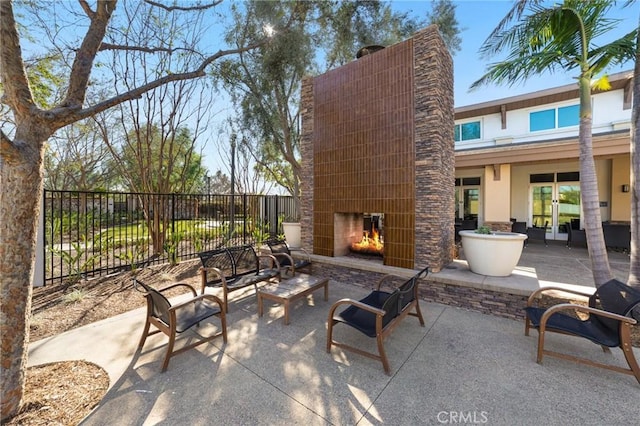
x,y
462,367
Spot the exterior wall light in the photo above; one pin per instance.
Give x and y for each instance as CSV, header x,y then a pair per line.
x,y
625,188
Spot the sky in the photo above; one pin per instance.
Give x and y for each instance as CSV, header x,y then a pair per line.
x,y
478,18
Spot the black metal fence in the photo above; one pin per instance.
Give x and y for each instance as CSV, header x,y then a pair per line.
x,y
90,234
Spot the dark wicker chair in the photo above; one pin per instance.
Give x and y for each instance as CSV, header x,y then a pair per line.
x,y
519,227
575,236
617,236
174,319
281,251
377,315
538,233
610,317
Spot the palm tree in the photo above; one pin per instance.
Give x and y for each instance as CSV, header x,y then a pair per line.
x,y
562,38
634,273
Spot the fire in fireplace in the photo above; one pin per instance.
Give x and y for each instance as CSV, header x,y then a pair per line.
x,y
372,242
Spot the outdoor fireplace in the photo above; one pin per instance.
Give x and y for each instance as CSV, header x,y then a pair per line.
x,y
377,136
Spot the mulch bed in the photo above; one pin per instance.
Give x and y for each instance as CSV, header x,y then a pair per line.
x,y
61,393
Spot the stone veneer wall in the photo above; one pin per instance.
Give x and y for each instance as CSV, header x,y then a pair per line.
x,y
356,123
435,156
499,226
306,174
497,303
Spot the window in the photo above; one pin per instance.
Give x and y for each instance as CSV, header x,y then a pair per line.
x,y
554,118
466,131
569,116
555,177
541,177
468,181
568,177
542,120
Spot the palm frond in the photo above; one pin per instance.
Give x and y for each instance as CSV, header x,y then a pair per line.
x,y
617,52
518,69
515,14
552,38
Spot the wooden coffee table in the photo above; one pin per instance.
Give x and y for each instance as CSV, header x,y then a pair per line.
x,y
292,289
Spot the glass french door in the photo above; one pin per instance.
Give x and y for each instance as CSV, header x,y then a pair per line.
x,y
468,203
556,205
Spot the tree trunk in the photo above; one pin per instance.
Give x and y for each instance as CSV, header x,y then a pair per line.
x,y
634,270
589,189
21,182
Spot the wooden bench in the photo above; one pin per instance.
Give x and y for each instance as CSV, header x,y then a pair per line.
x,y
377,315
233,268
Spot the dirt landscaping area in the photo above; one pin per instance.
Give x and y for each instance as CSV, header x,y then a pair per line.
x,y
63,393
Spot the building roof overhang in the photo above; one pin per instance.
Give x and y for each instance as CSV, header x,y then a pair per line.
x,y
604,144
621,80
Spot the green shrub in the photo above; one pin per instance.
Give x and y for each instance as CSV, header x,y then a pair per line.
x,y
75,296
483,230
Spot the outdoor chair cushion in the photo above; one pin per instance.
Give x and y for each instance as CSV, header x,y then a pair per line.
x,y
365,321
592,328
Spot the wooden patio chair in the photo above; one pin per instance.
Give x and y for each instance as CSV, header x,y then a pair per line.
x,y
282,253
377,315
175,319
610,317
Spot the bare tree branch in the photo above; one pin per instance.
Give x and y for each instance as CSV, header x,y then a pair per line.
x,y
108,46
85,56
183,8
17,94
138,91
87,9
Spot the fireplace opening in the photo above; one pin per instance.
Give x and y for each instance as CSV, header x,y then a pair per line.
x,y
353,230
372,241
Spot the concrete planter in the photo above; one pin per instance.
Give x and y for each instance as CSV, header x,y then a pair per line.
x,y
292,234
493,254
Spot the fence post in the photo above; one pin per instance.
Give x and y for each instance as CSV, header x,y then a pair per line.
x,y
244,222
38,271
276,231
173,214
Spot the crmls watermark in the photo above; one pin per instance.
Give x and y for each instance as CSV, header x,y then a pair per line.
x,y
463,417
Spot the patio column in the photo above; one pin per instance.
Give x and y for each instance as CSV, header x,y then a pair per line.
x,y
497,196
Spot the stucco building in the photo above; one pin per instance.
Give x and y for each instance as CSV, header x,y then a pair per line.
x,y
518,157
